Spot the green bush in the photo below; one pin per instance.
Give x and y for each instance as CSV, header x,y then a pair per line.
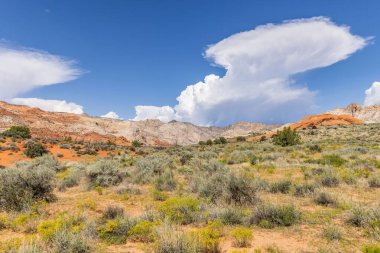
x,y
371,249
303,190
179,210
269,216
115,231
240,139
281,186
170,239
365,217
113,212
35,149
143,231
332,233
165,182
136,144
330,180
374,181
286,137
105,173
150,166
159,195
325,199
333,160
22,132
227,187
232,216
242,236
21,187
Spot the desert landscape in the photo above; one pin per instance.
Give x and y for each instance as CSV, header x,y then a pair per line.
x,y
312,186
192,126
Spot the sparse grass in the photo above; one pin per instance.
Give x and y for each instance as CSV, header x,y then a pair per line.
x,y
198,199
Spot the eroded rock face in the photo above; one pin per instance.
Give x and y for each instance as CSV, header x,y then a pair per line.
x,y
52,125
369,114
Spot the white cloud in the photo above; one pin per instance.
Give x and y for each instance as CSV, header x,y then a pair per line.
x,y
49,105
22,70
164,113
373,94
111,115
259,65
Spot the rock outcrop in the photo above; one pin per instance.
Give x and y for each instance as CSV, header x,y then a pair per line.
x,y
369,114
52,125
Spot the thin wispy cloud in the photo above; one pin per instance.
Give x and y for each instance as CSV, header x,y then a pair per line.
x,y
23,70
258,84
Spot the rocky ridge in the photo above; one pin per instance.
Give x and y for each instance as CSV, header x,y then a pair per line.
x,y
53,125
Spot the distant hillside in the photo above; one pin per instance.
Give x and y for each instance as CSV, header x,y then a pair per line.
x,y
369,114
52,125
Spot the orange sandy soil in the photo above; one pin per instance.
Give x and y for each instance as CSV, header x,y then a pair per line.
x,y
8,157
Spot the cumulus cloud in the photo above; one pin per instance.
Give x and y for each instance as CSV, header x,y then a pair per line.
x,y
373,94
49,105
259,66
111,115
22,70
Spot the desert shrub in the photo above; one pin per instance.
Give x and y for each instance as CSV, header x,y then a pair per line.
x,y
315,148
113,212
150,166
143,231
286,137
105,173
69,180
207,239
371,249
159,195
179,210
4,221
374,181
333,160
165,182
136,144
22,132
170,239
240,138
332,233
66,234
21,187
232,216
209,142
240,156
128,189
115,231
365,217
242,236
325,199
35,149
281,186
303,190
330,180
227,187
47,161
86,204
269,216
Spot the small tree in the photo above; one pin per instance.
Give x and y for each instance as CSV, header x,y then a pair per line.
x,y
136,144
240,138
223,140
22,132
287,137
209,142
35,149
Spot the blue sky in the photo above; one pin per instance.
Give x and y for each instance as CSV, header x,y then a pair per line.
x,y
147,52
